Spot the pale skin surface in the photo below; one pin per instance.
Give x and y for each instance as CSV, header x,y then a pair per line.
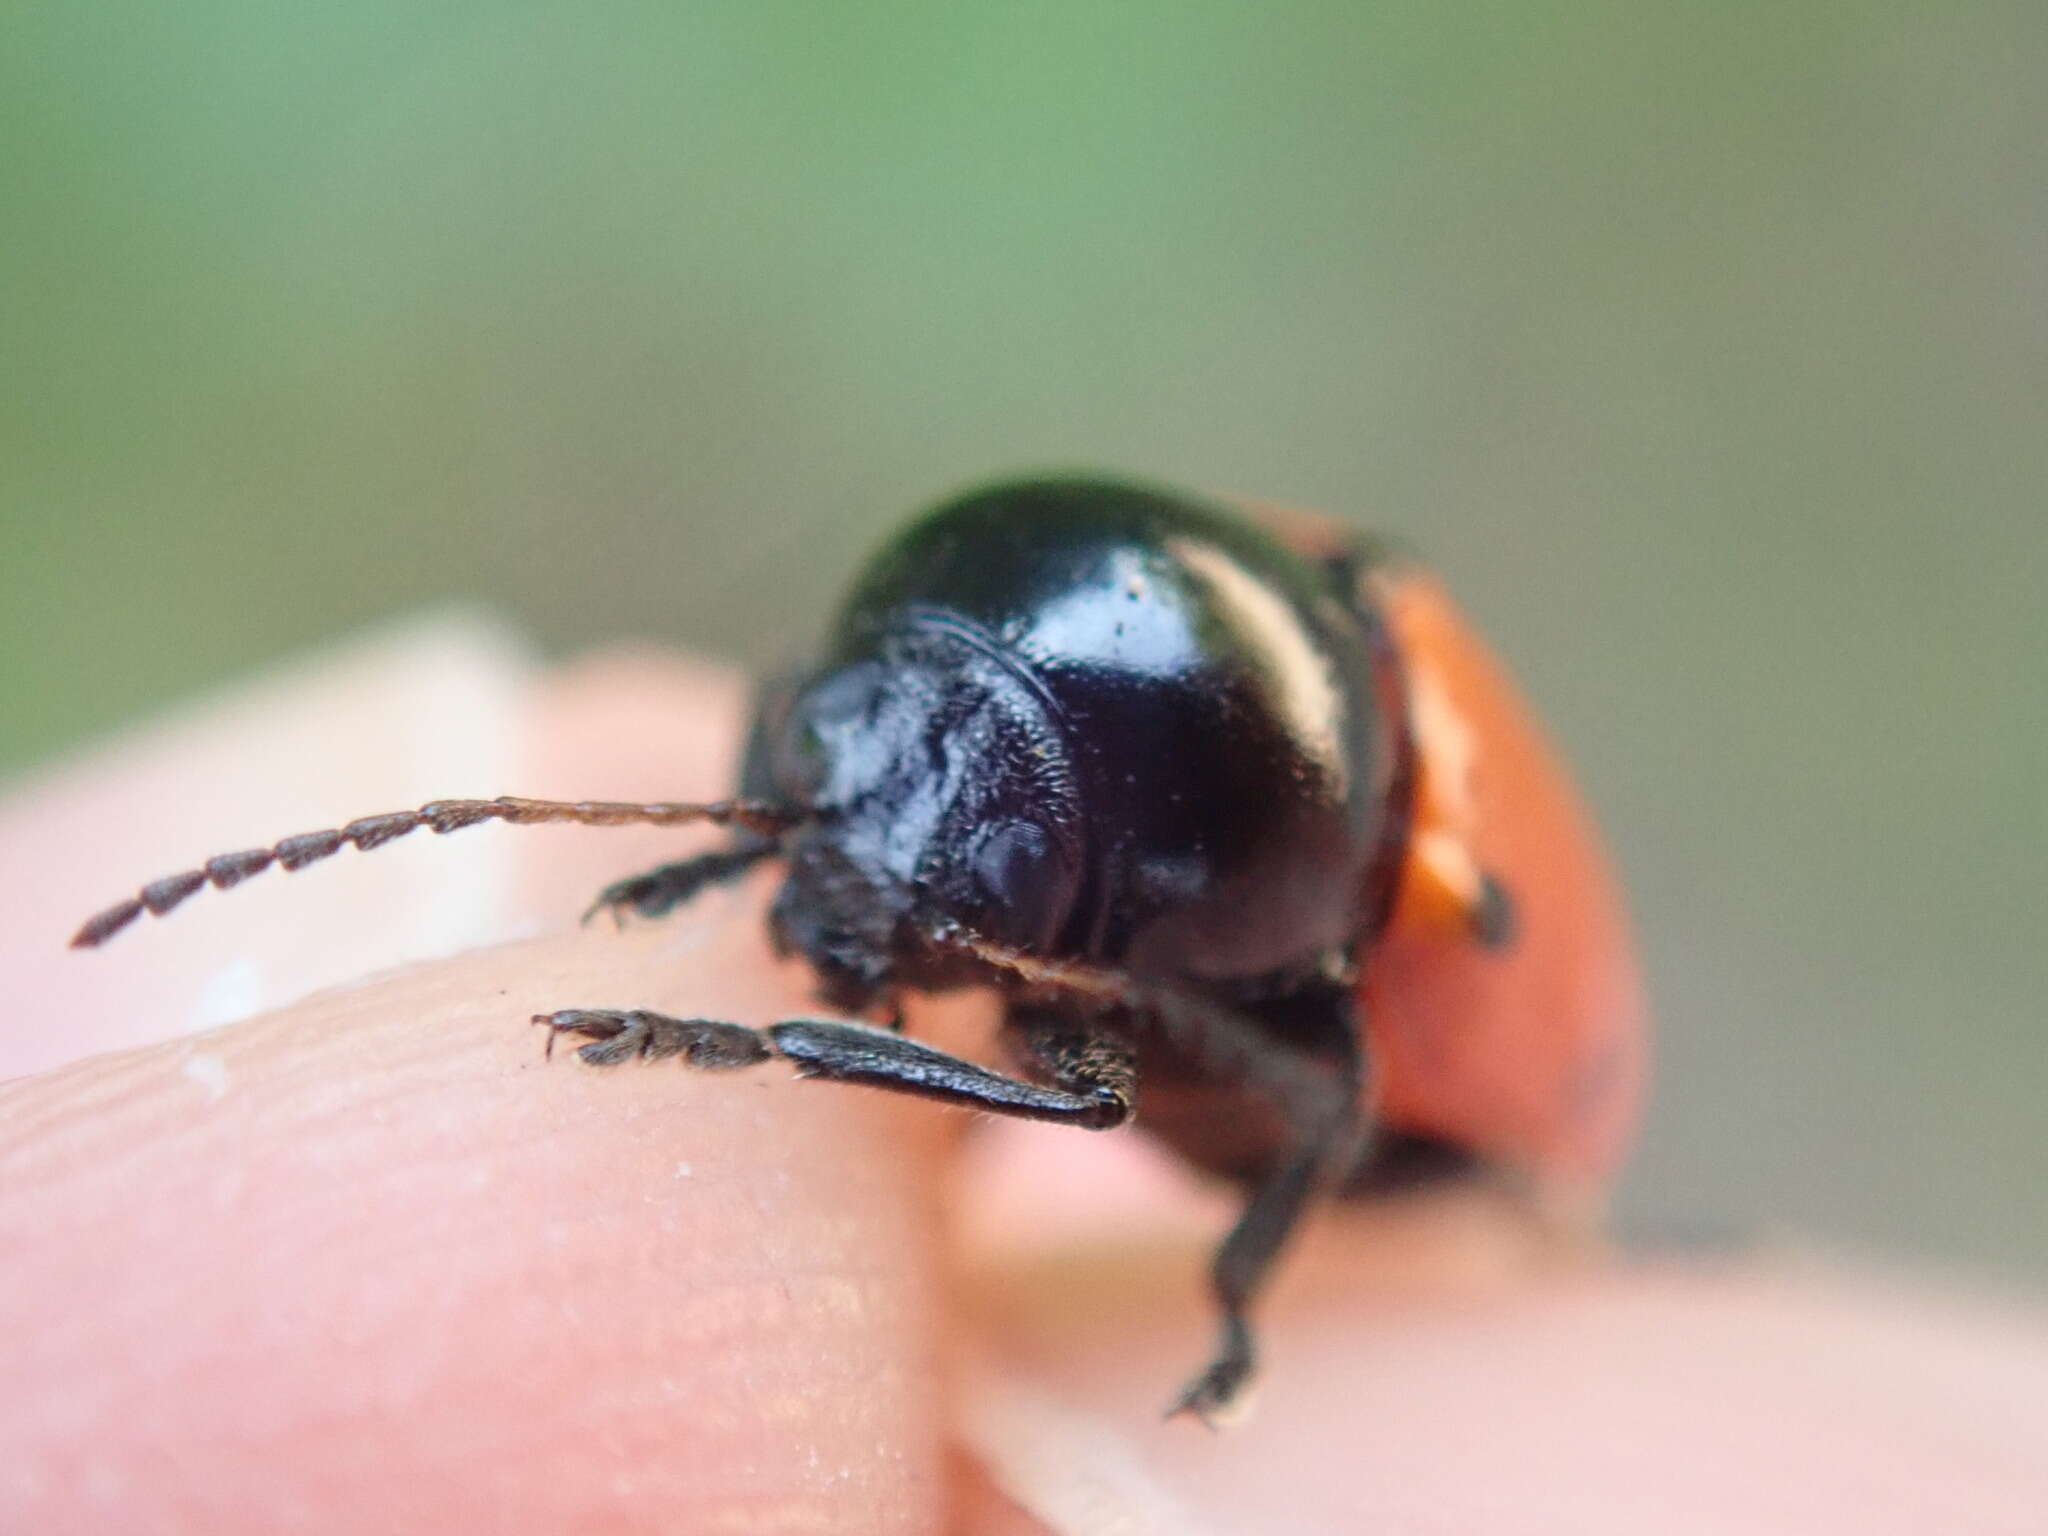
x,y
368,1262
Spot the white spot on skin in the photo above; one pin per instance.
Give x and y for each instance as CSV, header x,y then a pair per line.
x,y
841,1298
684,1170
230,994
209,1072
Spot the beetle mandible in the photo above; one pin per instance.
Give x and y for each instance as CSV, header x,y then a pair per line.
x,y
1238,818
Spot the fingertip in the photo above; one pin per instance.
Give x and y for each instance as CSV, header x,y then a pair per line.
x,y
365,1256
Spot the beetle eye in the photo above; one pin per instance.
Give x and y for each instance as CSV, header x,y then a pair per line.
x,y
1025,880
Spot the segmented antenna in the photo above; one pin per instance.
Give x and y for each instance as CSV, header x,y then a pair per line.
x,y
231,869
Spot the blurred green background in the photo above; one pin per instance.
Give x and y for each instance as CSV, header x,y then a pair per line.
x,y
1704,346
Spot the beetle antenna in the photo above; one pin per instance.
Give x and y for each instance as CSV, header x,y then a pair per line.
x,y
231,869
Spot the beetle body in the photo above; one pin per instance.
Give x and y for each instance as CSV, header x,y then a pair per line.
x,y
1111,725
1242,823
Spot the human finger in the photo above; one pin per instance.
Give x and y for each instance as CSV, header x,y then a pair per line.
x,y
1439,1365
372,1263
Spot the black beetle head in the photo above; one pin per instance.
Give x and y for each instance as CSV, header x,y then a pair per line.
x,y
942,805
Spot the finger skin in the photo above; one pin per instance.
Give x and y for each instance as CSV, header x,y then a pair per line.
x,y
372,1264
369,1264
1427,1368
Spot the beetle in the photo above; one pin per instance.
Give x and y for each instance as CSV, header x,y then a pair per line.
x,y
1238,817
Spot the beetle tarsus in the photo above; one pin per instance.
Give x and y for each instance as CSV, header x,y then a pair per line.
x,y
618,1036
1219,1397
660,891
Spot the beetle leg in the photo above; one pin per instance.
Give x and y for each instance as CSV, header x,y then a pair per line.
x,y
660,891
1216,1396
1321,1105
1096,1091
1320,1097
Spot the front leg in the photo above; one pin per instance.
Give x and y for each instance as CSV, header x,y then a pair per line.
x,y
660,891
1094,1086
